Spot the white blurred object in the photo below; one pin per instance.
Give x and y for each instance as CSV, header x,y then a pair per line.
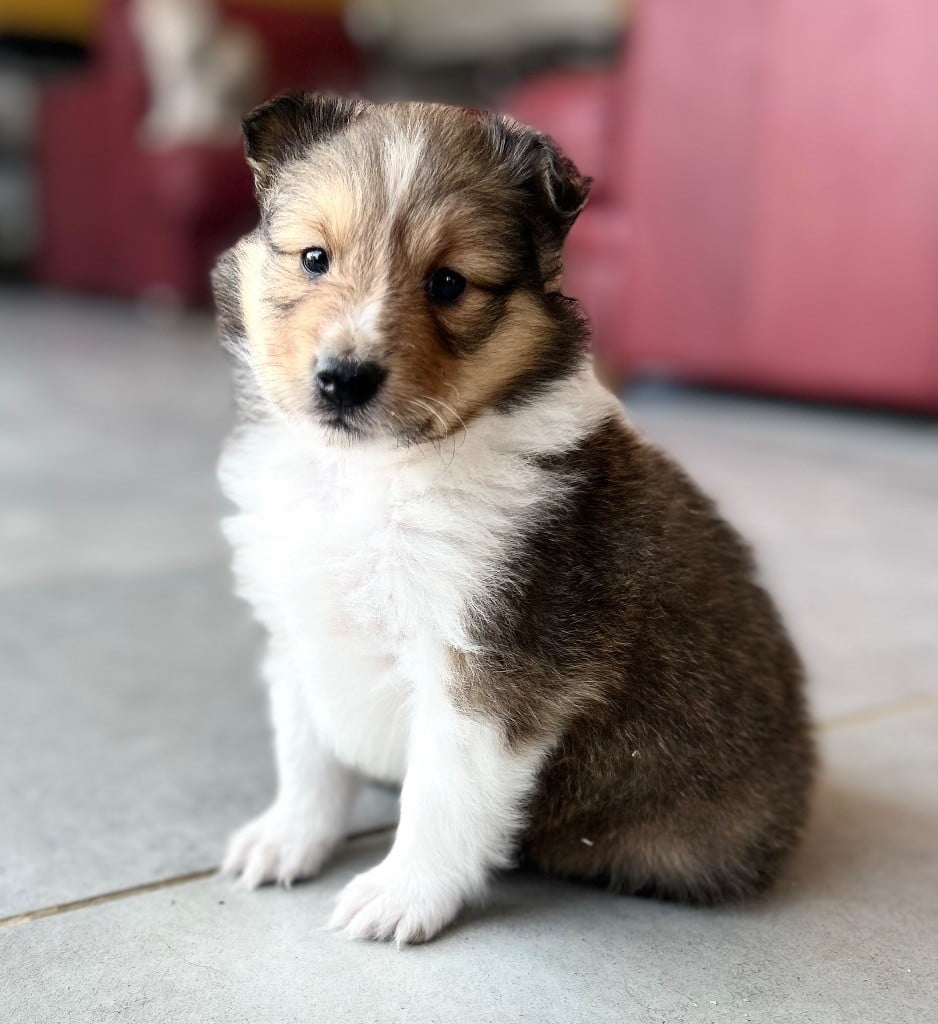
x,y
18,105
17,213
19,98
203,73
438,31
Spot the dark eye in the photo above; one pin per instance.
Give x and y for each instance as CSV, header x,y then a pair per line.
x,y
445,285
315,261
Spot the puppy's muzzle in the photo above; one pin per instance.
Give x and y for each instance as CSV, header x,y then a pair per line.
x,y
346,384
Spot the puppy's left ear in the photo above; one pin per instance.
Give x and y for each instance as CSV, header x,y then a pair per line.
x,y
556,190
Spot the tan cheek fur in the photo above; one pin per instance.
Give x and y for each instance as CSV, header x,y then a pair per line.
x,y
486,375
276,365
290,318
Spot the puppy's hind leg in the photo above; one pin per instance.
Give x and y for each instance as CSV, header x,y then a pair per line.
x,y
294,837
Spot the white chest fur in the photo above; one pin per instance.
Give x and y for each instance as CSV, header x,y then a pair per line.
x,y
366,564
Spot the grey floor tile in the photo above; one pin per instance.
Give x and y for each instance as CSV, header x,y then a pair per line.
x,y
849,937
134,733
110,425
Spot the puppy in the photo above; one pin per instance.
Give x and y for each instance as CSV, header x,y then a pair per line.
x,y
480,582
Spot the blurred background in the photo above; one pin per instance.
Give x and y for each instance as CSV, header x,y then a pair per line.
x,y
759,259
764,207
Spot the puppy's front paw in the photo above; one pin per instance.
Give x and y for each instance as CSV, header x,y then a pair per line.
x,y
282,845
392,902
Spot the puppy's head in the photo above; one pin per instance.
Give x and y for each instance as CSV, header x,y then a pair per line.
x,y
405,272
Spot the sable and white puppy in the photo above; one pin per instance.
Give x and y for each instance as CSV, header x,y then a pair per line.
x,y
479,580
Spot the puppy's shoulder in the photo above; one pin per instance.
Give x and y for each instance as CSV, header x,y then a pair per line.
x,y
619,471
631,512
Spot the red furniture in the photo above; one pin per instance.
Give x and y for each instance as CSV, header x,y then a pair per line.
x,y
121,218
766,213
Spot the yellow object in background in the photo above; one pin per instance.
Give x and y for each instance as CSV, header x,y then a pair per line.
x,y
75,20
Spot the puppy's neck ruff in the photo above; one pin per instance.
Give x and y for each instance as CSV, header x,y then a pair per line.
x,y
421,534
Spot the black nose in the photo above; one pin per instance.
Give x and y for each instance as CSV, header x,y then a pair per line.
x,y
347,383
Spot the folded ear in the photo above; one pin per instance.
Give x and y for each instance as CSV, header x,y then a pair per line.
x,y
556,190
287,126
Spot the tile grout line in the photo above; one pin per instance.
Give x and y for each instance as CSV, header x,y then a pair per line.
x,y
904,706
907,705
105,897
137,890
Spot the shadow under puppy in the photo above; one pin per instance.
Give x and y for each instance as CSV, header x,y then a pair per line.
x,y
479,580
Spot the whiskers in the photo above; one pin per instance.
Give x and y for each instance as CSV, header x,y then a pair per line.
x,y
436,407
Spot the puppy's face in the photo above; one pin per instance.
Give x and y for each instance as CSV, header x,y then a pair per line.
x,y
404,275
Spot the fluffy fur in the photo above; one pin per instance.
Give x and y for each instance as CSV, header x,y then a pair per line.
x,y
483,584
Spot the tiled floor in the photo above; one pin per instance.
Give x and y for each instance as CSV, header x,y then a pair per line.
x,y
132,732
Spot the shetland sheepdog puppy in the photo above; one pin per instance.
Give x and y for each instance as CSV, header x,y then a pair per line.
x,y
480,582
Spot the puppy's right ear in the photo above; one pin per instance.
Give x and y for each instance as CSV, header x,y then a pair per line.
x,y
287,126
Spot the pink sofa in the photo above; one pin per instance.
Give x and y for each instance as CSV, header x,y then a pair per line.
x,y
765,214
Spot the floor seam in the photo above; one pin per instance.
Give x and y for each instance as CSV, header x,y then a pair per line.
x,y
55,909
105,897
905,706
892,709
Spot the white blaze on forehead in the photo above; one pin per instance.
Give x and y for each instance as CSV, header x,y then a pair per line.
x,y
402,153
